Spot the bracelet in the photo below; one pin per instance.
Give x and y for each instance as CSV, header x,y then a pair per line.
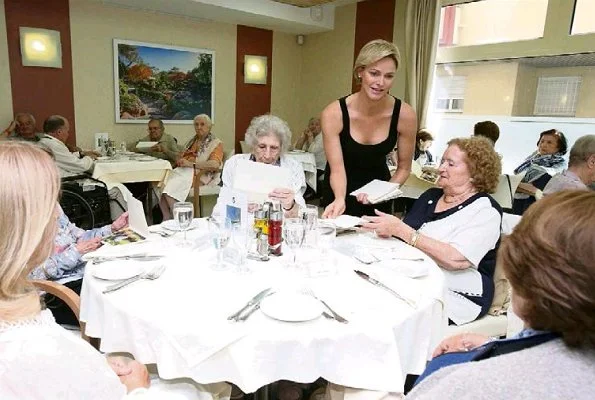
x,y
292,205
414,238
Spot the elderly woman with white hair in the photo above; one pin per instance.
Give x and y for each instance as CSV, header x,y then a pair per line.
x,y
269,138
203,150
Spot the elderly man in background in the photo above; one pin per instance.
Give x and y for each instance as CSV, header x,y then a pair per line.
x,y
166,148
581,168
22,128
56,130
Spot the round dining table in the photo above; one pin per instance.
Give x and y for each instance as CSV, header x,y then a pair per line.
x,y
179,321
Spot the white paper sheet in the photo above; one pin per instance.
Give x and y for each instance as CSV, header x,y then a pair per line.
x,y
257,180
145,145
136,217
378,191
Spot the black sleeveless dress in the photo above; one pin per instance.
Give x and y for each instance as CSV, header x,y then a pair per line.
x,y
363,163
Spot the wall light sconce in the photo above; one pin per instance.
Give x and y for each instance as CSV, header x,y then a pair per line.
x,y
40,47
255,70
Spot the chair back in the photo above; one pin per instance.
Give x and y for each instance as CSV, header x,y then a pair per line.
x,y
245,147
507,186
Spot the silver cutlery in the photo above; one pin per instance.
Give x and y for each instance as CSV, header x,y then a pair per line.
x,y
258,257
336,316
381,285
151,275
254,301
137,257
164,234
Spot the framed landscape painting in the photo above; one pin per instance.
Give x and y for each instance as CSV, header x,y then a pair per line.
x,y
156,81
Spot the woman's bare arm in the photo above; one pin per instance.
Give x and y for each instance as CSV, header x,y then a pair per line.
x,y
405,143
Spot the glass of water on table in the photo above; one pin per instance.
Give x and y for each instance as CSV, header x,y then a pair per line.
x,y
220,233
183,214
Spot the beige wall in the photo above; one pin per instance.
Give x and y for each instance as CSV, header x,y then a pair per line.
x,y
327,65
398,89
287,66
525,91
94,26
6,114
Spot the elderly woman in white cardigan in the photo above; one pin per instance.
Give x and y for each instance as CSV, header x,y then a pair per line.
x,y
269,138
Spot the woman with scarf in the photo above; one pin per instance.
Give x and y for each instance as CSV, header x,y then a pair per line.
x,y
539,168
204,150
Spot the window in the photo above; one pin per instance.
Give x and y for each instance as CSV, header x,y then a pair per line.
x,y
557,95
583,21
449,93
493,21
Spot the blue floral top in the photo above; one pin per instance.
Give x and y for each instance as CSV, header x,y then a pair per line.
x,y
66,264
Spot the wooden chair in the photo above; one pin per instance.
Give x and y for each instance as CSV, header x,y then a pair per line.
x,y
68,296
206,190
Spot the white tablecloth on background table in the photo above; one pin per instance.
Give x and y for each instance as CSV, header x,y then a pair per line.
x,y
179,321
125,170
309,163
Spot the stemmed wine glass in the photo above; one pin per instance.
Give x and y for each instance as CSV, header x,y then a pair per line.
x,y
220,232
184,213
310,216
294,230
326,234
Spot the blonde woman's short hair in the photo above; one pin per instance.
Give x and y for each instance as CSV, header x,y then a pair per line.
x,y
28,217
374,51
266,125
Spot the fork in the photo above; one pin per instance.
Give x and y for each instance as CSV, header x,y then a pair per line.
x,y
336,316
165,234
151,275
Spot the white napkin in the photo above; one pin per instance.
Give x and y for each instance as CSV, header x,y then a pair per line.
x,y
346,221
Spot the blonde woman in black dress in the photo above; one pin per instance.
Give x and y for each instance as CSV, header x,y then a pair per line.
x,y
359,130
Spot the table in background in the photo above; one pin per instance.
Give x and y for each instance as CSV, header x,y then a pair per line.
x,y
179,321
308,163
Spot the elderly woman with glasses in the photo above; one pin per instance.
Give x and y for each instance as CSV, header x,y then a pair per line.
x,y
269,138
203,150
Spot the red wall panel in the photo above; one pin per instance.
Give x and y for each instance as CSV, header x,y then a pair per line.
x,y
251,100
41,91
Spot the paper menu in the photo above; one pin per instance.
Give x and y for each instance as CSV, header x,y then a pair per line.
x,y
257,180
145,145
379,191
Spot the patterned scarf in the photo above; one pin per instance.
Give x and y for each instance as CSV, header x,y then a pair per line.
x,y
202,146
547,161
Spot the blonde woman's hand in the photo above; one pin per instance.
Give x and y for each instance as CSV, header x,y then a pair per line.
x,y
333,210
460,342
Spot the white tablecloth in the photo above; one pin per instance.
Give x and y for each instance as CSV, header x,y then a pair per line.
x,y
180,320
309,163
124,170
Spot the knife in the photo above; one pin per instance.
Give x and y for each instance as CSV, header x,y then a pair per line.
x,y
253,301
375,282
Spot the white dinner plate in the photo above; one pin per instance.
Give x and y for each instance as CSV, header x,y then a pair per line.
x,y
172,225
115,271
291,307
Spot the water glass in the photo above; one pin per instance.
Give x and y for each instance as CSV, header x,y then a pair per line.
x,y
220,232
310,216
293,235
241,241
184,214
326,234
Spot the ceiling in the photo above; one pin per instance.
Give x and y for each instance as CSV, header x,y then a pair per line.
x,y
290,16
303,3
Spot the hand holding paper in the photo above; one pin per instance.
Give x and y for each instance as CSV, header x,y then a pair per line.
x,y
377,191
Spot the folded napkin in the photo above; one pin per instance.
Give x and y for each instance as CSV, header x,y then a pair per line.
x,y
345,221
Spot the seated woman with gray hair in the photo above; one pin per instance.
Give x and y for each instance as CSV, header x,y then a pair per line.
x,y
269,138
203,150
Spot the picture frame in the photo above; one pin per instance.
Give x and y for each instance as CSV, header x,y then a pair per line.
x,y
170,83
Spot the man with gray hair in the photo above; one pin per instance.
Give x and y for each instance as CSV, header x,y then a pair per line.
x,y
581,168
166,148
22,128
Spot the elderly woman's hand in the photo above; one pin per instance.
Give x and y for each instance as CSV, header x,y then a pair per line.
x,y
131,373
120,223
384,225
285,196
182,162
85,246
460,342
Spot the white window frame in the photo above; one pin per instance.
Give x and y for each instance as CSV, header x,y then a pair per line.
x,y
550,92
452,89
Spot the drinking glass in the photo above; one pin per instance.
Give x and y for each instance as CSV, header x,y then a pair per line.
x,y
184,213
310,216
326,234
293,235
220,232
240,238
